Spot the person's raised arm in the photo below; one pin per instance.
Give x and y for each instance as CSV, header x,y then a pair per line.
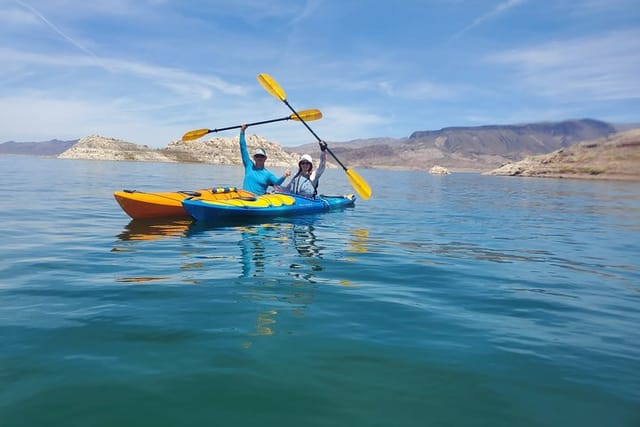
x,y
244,152
323,164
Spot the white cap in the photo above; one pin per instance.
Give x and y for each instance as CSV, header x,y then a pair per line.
x,y
259,152
306,157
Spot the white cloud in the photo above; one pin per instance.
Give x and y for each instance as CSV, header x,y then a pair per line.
x,y
603,67
71,8
55,29
17,17
427,90
522,115
185,83
342,123
38,117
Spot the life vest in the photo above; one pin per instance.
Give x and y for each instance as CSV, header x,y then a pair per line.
x,y
302,185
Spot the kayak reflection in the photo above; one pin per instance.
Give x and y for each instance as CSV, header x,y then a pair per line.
x,y
265,253
275,266
359,241
261,245
155,229
305,240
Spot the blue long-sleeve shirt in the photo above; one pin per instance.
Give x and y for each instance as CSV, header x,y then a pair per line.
x,y
255,180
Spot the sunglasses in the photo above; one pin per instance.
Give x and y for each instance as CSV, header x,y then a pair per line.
x,y
304,163
259,156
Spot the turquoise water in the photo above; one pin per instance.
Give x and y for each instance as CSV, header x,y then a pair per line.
x,y
462,300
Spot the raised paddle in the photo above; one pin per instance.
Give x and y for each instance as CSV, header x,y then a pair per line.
x,y
357,182
308,115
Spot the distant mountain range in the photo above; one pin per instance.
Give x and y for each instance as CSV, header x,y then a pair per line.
x,y
467,148
53,147
478,149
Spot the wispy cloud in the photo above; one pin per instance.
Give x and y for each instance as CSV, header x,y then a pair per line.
x,y
501,8
346,122
602,67
17,17
55,29
181,82
309,7
590,6
427,90
70,119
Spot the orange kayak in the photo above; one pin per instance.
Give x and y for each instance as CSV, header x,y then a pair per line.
x,y
140,204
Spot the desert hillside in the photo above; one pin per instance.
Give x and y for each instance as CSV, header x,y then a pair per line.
x,y
614,157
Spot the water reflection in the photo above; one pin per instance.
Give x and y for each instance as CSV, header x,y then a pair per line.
x,y
256,240
279,262
277,265
149,230
359,241
252,249
154,229
305,240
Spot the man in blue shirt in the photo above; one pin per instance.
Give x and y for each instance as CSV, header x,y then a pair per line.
x,y
256,177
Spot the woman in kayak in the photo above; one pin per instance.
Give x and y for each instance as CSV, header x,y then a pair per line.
x,y
305,181
257,178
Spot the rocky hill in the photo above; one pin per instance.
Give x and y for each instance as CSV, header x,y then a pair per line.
x,y
96,147
614,157
223,151
226,151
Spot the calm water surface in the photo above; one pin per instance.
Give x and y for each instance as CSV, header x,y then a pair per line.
x,y
462,300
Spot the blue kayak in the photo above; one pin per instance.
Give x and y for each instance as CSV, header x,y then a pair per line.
x,y
274,204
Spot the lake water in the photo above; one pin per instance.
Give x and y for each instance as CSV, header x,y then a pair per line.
x,y
460,300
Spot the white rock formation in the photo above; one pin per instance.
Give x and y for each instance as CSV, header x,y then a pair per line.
x,y
439,170
97,147
221,151
226,151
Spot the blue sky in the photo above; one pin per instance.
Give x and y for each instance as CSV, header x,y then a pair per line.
x,y
146,71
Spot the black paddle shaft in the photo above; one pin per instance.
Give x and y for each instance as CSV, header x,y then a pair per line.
x,y
314,134
252,124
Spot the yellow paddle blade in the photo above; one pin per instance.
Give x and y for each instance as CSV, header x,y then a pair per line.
x,y
307,115
271,86
195,134
359,184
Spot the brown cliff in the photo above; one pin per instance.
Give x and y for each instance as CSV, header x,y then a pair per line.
x,y
615,157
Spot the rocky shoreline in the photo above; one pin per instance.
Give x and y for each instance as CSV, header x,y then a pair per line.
x,y
220,151
616,157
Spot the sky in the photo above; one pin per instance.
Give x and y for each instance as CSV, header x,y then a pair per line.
x,y
147,71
